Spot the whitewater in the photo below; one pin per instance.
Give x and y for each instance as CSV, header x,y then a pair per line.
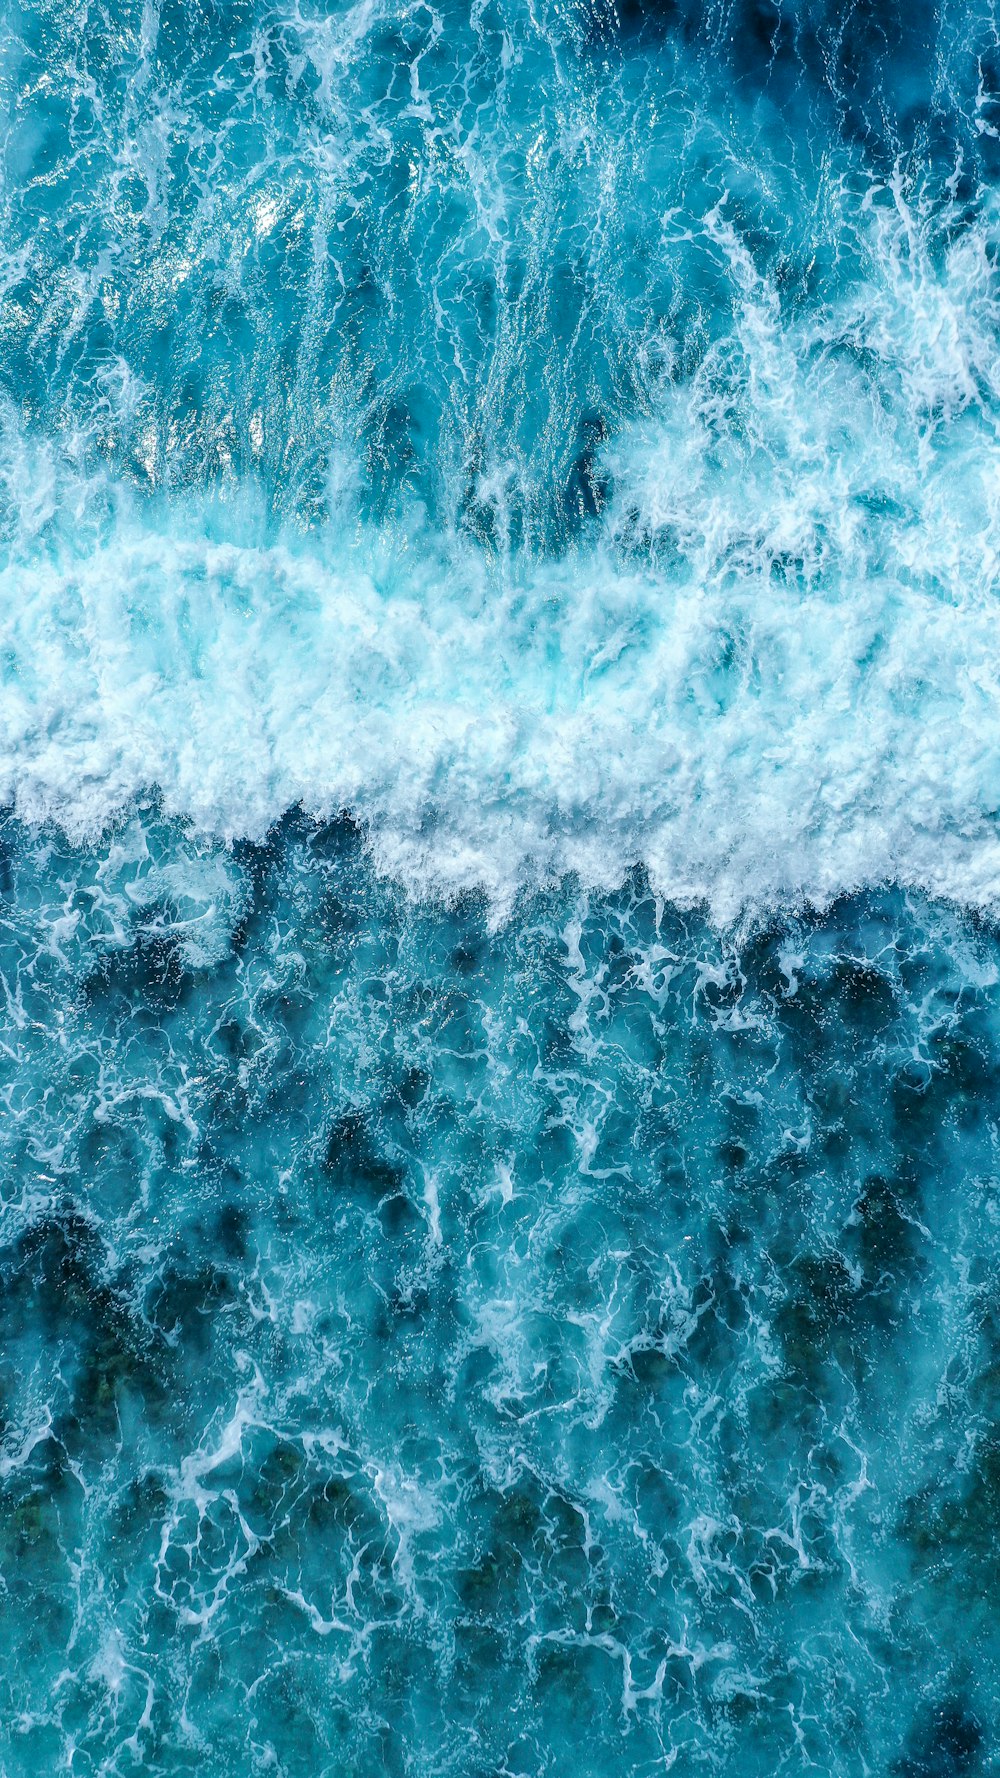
x,y
737,631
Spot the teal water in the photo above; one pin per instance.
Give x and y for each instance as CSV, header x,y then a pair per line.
x,y
572,1347
499,882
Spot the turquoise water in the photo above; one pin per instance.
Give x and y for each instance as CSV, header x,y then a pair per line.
x,y
499,883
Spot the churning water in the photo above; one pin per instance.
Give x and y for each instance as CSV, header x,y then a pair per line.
x,y
499,882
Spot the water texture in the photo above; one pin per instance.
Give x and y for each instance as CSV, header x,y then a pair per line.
x,y
499,881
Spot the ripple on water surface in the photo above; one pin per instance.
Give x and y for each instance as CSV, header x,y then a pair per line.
x,y
436,1348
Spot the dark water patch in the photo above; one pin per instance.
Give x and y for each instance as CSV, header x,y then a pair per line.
x,y
948,1744
353,1159
146,976
589,486
104,1365
884,74
185,1300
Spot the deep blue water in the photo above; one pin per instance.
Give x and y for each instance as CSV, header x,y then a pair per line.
x,y
499,889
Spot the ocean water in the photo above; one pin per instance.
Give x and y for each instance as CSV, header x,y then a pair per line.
x,y
499,888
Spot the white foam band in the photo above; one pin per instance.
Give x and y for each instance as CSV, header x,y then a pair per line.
x,y
772,677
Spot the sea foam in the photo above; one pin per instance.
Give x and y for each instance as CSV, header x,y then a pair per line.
x,y
766,671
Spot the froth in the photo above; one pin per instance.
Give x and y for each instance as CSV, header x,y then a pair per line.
x,y
768,677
